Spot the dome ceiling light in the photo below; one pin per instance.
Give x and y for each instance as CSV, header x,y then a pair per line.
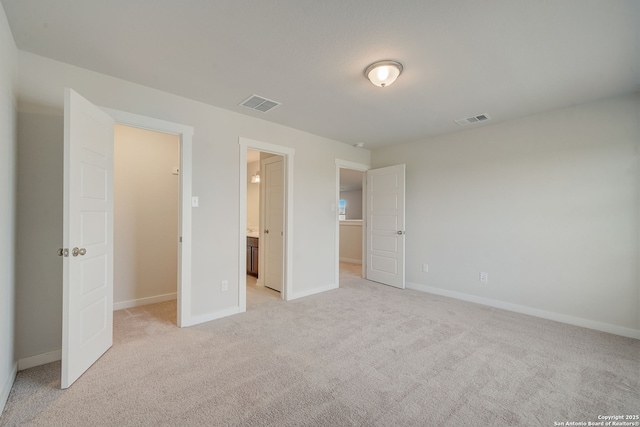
x,y
383,73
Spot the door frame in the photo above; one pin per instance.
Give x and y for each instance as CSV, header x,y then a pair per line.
x,y
287,153
346,164
184,316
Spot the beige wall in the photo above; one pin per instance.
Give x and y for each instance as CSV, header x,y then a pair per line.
x,y
548,205
351,241
8,138
146,208
216,168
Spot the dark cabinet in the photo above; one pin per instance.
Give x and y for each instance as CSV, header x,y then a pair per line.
x,y
252,256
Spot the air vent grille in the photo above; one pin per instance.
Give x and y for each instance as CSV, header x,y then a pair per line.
x,y
473,119
259,103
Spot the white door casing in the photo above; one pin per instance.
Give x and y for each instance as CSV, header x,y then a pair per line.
x,y
288,156
385,225
184,315
87,312
272,171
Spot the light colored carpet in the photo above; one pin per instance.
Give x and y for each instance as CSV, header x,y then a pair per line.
x,y
364,355
258,295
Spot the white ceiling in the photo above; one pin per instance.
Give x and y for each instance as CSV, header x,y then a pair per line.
x,y
461,57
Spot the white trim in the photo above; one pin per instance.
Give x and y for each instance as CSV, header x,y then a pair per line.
x,y
144,301
39,359
186,172
288,153
351,222
346,164
6,387
313,291
549,315
242,225
202,318
352,261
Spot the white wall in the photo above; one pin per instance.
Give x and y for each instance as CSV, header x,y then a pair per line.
x,y
548,205
146,207
216,181
354,203
253,197
8,63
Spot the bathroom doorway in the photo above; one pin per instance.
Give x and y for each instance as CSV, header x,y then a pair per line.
x,y
260,236
265,233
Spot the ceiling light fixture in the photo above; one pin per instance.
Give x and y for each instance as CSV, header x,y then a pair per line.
x,y
383,73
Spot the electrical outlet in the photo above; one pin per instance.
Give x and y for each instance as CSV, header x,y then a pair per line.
x,y
484,277
425,268
224,286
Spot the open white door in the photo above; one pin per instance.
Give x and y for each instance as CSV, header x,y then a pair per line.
x,y
273,175
385,225
87,300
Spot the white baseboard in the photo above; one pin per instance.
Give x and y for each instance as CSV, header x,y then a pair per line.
x,y
6,387
352,261
202,318
144,301
311,292
549,315
39,359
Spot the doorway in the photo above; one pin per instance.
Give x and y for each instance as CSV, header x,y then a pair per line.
x,y
275,165
146,209
350,224
264,243
350,215
185,136
383,226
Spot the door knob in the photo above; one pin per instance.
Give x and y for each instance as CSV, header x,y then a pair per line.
x,y
266,231
400,232
77,251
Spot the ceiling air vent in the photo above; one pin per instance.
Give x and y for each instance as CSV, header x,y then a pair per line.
x,y
259,103
473,119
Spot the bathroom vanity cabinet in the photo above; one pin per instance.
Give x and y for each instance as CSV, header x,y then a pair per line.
x,y
252,256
